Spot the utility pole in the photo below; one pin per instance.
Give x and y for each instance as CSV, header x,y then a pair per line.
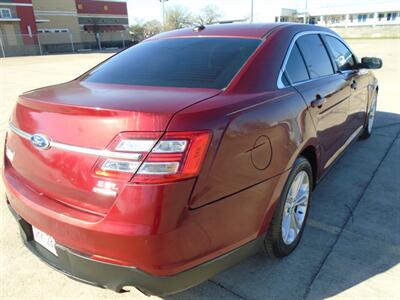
x,y
252,11
305,13
163,11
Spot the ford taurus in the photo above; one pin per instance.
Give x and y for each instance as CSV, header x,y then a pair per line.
x,y
178,157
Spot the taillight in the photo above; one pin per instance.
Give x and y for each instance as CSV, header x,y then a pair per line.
x,y
176,156
128,151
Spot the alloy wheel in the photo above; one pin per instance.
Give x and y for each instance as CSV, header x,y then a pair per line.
x,y
296,205
371,115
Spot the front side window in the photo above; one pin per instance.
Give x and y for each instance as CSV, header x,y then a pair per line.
x,y
295,70
342,55
315,55
181,62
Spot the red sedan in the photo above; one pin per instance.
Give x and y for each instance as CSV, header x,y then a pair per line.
x,y
180,156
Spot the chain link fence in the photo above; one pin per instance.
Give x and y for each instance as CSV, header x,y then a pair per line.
x,y
62,42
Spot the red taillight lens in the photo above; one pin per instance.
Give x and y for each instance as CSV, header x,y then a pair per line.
x,y
128,151
176,156
167,165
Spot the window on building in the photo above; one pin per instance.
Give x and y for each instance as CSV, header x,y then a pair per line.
x,y
80,6
381,16
53,30
105,7
295,70
362,18
332,20
391,16
342,55
371,16
315,55
5,13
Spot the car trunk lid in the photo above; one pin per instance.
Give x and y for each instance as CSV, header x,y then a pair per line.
x,y
86,116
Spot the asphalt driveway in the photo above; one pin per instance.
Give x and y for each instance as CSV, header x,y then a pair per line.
x,y
351,245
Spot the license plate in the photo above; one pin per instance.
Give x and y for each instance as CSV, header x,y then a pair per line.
x,y
45,240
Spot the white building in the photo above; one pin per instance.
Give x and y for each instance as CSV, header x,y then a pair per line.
x,y
372,14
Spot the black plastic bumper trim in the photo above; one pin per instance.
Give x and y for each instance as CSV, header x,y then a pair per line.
x,y
116,277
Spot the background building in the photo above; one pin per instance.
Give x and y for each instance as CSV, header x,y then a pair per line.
x,y
30,27
17,26
378,19
81,24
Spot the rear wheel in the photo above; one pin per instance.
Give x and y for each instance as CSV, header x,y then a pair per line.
x,y
371,118
291,212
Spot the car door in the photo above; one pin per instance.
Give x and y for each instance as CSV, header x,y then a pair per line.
x,y
325,92
345,62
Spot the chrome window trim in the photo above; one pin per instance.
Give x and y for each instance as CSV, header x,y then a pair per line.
x,y
280,83
77,149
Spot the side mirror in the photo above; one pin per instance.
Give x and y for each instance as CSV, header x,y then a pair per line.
x,y
371,63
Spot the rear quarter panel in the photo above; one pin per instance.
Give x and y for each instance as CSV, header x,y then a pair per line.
x,y
254,139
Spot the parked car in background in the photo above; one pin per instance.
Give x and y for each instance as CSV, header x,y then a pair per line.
x,y
182,155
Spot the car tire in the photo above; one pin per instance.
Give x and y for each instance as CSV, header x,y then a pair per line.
x,y
282,238
367,131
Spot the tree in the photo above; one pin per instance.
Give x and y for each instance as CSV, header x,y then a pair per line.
x,y
96,31
151,28
137,30
208,15
141,31
177,17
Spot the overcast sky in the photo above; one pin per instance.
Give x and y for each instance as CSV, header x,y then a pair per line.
x,y
264,10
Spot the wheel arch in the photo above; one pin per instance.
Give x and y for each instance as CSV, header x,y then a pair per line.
x,y
310,150
310,153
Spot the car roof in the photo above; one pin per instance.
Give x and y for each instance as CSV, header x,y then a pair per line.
x,y
242,30
246,30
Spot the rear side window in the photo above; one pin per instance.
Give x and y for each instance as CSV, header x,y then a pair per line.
x,y
341,54
182,62
295,70
315,55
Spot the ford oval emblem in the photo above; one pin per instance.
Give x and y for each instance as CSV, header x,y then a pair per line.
x,y
40,141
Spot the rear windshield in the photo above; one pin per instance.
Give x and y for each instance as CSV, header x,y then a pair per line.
x,y
181,62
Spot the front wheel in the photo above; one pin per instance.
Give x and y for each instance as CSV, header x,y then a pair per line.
x,y
290,216
370,118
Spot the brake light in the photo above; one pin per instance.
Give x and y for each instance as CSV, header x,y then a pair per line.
x,y
129,150
176,156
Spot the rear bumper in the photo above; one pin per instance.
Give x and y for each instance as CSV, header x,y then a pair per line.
x,y
116,277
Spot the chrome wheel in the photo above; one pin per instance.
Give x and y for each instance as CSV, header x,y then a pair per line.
x,y
295,208
371,115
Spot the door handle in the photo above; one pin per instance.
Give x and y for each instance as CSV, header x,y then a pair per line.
x,y
354,85
318,102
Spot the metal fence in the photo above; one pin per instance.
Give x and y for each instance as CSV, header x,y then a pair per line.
x,y
62,42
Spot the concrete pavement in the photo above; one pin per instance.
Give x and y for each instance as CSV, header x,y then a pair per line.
x,y
351,245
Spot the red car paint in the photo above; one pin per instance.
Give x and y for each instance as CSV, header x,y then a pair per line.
x,y
256,132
